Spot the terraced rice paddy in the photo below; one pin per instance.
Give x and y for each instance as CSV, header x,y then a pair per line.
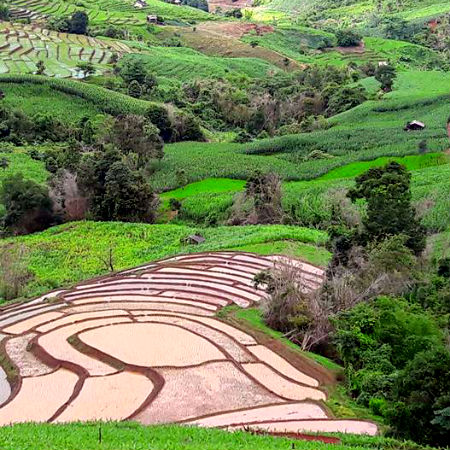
x,y
22,46
111,12
145,344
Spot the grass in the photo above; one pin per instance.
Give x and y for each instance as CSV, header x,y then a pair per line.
x,y
65,254
252,317
314,255
411,162
372,130
208,185
71,100
42,98
430,185
184,64
131,435
20,162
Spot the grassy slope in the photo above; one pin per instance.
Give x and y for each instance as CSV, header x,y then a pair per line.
x,y
73,252
422,10
183,64
371,130
40,98
130,435
20,162
430,186
116,11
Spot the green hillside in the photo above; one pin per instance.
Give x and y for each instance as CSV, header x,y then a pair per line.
x,y
137,130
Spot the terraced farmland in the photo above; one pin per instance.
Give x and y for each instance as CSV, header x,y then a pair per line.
x,y
22,46
111,12
127,345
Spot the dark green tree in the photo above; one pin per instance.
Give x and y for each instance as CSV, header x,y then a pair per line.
x,y
5,13
79,22
132,68
40,67
28,207
385,74
135,134
150,82
348,38
86,68
4,163
389,209
421,397
128,197
134,89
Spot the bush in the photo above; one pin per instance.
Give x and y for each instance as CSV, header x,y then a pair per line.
x,y
347,38
28,207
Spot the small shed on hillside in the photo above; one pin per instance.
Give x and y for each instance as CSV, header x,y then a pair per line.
x,y
152,18
414,126
140,4
194,239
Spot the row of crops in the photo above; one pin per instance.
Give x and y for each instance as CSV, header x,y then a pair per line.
x,y
109,102
112,12
22,46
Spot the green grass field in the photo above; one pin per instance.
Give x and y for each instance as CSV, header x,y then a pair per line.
x,y
181,64
371,130
130,435
356,11
20,162
430,188
73,252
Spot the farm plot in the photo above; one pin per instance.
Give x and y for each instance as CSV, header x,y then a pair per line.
x,y
22,46
153,329
111,12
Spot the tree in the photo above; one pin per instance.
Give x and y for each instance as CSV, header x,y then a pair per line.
x,y
40,67
345,98
150,82
421,396
385,74
113,59
79,22
423,146
5,13
28,207
114,191
132,68
85,68
4,163
134,89
128,196
347,38
136,135
389,210
265,191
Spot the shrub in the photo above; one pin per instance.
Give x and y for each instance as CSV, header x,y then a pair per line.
x,y
28,207
347,38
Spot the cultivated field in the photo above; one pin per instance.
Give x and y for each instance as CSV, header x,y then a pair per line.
x,y
22,46
128,346
112,12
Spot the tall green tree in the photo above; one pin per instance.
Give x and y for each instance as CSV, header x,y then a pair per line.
x,y
28,207
385,74
389,210
79,22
